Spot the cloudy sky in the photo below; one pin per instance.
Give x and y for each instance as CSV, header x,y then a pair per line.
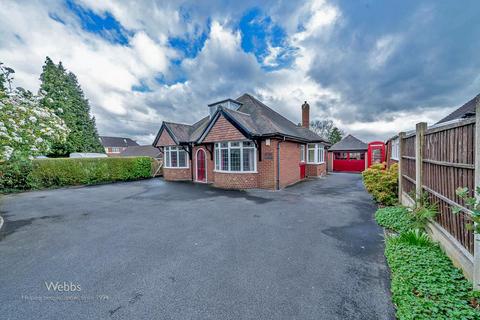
x,y
374,67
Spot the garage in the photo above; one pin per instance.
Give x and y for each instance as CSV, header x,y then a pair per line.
x,y
348,155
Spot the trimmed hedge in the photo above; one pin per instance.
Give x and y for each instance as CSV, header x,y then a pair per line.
x,y
47,173
395,218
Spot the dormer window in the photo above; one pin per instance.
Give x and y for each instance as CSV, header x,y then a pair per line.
x,y
227,104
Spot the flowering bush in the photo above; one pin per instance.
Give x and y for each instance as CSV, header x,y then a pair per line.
x,y
26,128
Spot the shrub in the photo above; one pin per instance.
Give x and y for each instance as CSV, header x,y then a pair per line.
x,y
397,219
14,173
48,173
414,237
425,284
382,183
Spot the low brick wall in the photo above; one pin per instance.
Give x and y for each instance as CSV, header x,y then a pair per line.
x,y
236,180
177,174
316,170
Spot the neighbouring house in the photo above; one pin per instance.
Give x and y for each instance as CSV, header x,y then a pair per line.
x,y
142,151
115,145
465,111
242,144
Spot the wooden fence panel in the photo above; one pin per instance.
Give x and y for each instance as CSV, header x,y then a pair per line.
x,y
448,163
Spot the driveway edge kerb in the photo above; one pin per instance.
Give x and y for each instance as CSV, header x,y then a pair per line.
x,y
1,222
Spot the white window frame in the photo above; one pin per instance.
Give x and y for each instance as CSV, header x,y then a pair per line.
x,y
395,149
170,150
302,153
115,150
218,149
318,155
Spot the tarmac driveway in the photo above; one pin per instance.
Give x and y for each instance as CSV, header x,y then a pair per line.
x,y
157,250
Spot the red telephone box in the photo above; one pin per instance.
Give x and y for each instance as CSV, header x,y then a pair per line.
x,y
376,152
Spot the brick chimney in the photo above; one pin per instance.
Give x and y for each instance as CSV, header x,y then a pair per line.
x,y
306,115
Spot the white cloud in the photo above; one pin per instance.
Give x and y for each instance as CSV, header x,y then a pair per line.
x,y
383,50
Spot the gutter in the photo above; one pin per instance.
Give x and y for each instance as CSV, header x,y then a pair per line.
x,y
278,163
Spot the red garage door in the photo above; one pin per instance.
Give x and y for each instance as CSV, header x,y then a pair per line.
x,y
349,161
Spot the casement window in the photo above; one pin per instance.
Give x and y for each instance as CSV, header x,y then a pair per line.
x,y
175,157
395,149
115,150
235,156
302,153
357,156
315,153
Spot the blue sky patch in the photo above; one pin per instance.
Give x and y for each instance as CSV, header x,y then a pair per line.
x,y
259,33
104,25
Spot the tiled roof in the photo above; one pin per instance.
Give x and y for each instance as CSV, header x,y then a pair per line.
x,y
117,142
254,116
147,151
465,111
349,143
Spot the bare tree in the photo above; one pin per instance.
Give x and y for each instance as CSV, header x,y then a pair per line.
x,y
322,127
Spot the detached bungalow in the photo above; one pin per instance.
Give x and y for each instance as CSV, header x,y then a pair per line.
x,y
242,144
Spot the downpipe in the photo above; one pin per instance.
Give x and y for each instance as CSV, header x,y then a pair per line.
x,y
278,163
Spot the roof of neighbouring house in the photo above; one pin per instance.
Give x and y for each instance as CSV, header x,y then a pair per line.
x,y
465,111
349,143
117,142
145,150
253,117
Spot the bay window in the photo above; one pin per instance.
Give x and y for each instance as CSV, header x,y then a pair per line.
x,y
315,153
235,156
175,157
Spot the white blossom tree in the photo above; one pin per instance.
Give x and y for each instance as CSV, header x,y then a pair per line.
x,y
26,128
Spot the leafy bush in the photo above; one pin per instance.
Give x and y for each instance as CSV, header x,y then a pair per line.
x,y
425,284
395,218
414,237
382,183
14,173
48,173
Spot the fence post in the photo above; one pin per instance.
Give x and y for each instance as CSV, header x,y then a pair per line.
x,y
419,141
476,242
401,151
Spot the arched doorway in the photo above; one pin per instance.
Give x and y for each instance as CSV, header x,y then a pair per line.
x,y
201,166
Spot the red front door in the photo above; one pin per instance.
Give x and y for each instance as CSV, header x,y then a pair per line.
x,y
302,170
201,176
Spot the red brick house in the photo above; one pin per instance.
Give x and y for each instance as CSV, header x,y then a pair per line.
x,y
115,145
242,144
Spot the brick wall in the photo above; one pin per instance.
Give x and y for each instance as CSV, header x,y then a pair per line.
x,y
267,168
236,180
289,163
177,174
165,140
316,170
223,130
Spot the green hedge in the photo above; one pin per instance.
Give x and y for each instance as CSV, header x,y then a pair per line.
x,y
47,173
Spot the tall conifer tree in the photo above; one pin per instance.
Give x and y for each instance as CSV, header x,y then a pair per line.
x,y
65,97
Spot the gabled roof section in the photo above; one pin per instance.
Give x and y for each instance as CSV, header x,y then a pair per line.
x,y
465,111
349,143
117,142
253,119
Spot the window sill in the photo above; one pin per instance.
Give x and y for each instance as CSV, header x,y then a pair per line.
x,y
176,167
316,162
235,172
